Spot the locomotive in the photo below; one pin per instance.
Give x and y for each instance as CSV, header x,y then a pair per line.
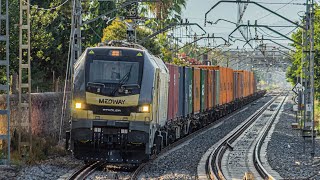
x,y
128,104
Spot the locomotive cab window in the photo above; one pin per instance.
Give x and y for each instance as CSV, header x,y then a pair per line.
x,y
113,75
114,72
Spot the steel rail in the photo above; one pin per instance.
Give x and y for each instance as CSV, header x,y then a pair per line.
x,y
256,155
213,164
136,173
85,171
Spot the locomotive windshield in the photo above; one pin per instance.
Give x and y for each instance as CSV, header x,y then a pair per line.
x,y
114,72
114,76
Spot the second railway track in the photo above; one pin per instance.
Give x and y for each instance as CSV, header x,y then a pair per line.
x,y
239,152
140,172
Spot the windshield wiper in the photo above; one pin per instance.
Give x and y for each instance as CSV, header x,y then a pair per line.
x,y
122,81
96,83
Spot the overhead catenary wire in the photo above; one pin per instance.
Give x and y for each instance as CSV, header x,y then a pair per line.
x,y
261,29
276,10
289,3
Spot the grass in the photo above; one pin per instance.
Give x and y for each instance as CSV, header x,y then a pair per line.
x,y
43,148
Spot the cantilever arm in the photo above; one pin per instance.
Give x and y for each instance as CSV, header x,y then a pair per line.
x,y
267,27
170,26
199,40
250,2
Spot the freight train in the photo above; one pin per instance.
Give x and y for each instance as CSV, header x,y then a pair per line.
x,y
128,104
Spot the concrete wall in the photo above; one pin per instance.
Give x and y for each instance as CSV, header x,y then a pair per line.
x,y
45,117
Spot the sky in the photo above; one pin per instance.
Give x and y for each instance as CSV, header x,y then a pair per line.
x,y
196,9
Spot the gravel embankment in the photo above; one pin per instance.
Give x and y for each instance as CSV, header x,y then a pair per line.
x,y
49,169
181,163
108,174
285,152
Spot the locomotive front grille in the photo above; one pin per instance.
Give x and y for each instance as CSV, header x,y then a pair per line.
x,y
112,110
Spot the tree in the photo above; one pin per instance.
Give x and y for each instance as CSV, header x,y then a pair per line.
x,y
167,9
165,12
50,33
118,31
295,70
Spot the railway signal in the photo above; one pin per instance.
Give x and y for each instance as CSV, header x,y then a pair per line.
x,y
298,87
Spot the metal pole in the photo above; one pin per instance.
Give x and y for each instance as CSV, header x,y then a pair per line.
x,y
312,12
25,64
305,57
4,38
8,71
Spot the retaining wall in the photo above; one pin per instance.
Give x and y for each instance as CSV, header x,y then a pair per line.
x,y
45,117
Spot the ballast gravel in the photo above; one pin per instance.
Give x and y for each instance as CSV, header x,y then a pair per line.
x,y
50,169
288,153
182,162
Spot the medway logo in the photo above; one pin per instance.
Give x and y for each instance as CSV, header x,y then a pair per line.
x,y
111,101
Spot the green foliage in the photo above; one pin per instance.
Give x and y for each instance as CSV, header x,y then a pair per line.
x,y
165,12
50,34
295,70
118,31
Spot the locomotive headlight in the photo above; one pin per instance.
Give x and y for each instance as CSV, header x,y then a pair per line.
x,y
78,105
144,108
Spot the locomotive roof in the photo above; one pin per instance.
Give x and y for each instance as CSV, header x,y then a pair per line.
x,y
116,47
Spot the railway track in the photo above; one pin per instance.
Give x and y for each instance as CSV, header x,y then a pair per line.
x,y
135,174
85,171
242,143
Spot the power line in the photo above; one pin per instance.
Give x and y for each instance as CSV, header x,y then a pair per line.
x,y
47,9
277,9
299,4
275,36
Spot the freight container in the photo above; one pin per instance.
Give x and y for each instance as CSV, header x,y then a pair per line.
x,y
188,74
252,82
242,85
249,78
181,112
218,87
203,85
173,100
235,89
213,88
196,90
255,83
231,84
210,90
223,83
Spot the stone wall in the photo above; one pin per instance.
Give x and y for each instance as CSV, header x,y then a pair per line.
x,y
45,117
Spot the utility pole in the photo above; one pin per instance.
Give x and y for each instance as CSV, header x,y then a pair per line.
x,y
4,62
311,20
76,39
75,53
308,71
25,132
